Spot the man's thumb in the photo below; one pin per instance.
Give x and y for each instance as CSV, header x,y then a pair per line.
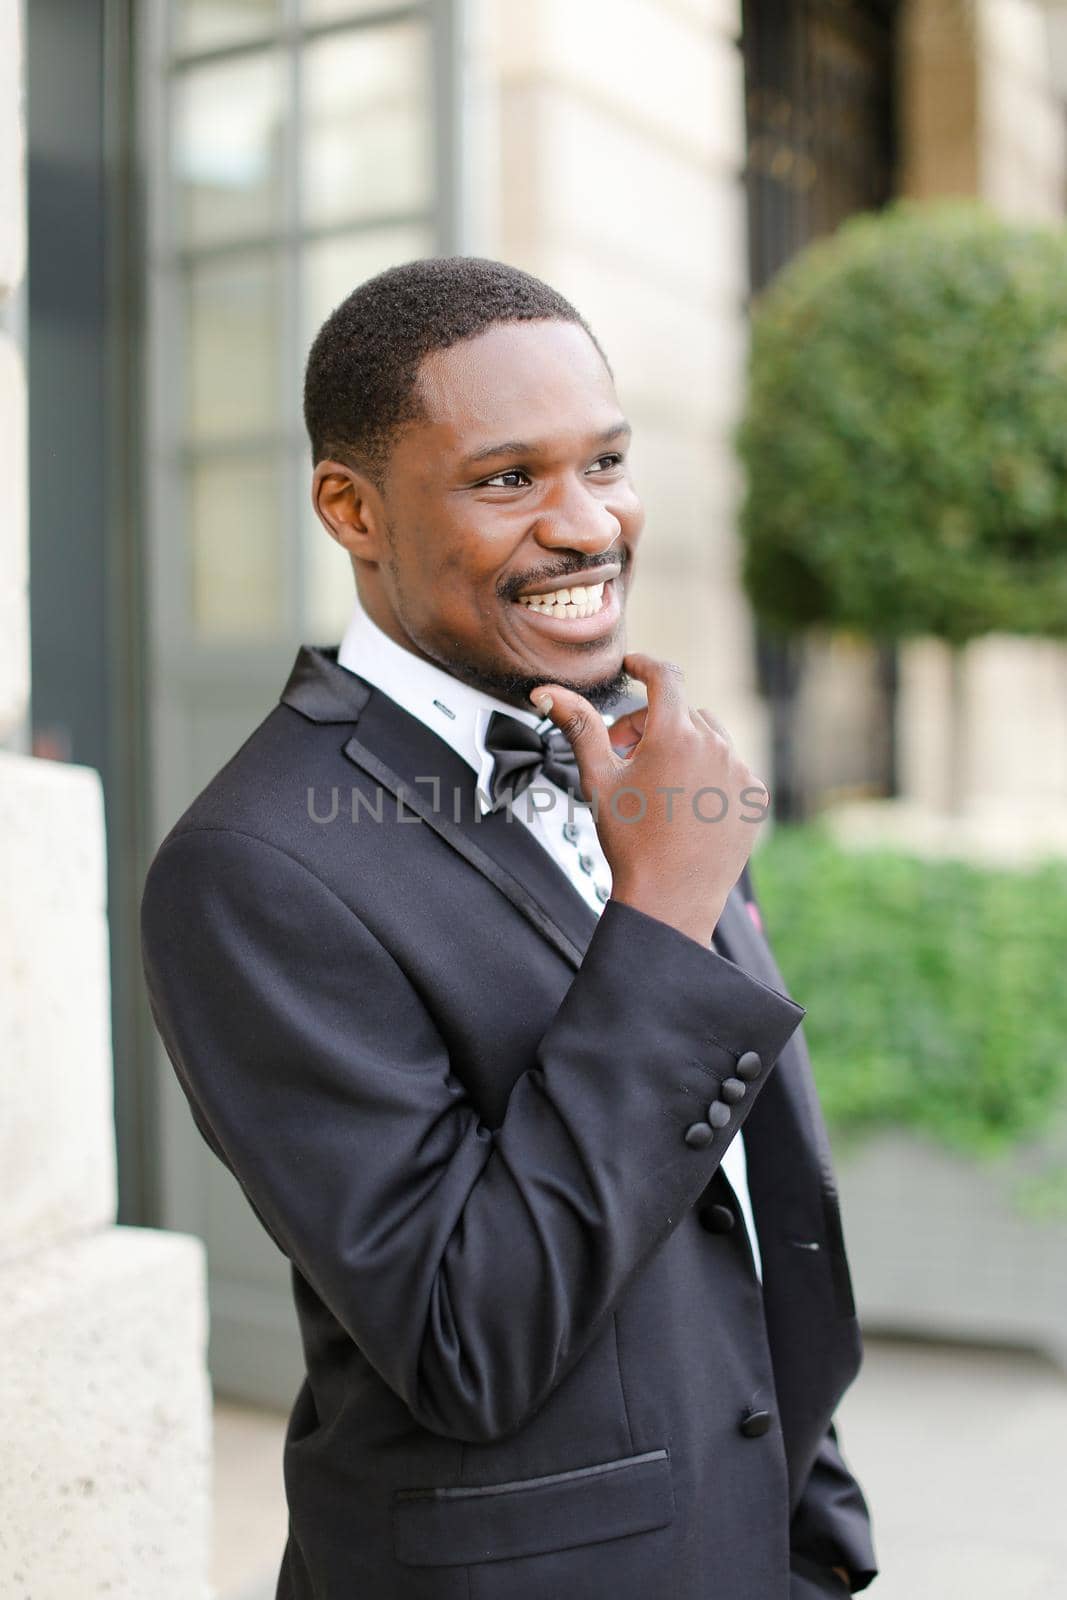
x,y
581,722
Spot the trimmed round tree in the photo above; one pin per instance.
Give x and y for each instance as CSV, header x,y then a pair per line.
x,y
905,437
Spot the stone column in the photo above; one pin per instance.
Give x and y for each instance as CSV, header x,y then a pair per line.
x,y
104,1397
984,113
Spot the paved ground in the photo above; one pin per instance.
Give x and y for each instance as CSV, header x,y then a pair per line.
x,y
964,1457
963,1453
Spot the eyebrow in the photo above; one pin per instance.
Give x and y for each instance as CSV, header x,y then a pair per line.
x,y
532,447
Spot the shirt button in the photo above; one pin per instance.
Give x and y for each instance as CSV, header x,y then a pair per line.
x,y
586,863
570,832
698,1135
602,894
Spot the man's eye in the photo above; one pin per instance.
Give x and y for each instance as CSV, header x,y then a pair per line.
x,y
512,472
613,460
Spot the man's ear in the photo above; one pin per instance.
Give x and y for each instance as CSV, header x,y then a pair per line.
x,y
350,508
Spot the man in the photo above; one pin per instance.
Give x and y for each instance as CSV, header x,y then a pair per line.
x,y
478,1065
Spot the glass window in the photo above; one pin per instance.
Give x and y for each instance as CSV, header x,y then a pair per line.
x,y
301,164
229,124
234,525
335,10
334,267
233,344
206,24
366,143
329,585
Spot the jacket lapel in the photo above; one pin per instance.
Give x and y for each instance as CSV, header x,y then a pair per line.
x,y
428,778
425,777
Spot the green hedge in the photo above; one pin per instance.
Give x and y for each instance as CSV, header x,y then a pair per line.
x,y
905,433
935,991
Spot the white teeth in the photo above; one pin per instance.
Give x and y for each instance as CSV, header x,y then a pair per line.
x,y
580,601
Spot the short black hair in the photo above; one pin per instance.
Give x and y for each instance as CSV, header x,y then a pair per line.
x,y
360,381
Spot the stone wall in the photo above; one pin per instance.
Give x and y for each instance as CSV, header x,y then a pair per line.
x,y
104,1398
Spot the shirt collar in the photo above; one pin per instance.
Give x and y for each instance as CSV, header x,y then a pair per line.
x,y
456,712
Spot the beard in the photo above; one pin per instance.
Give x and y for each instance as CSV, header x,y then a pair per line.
x,y
516,688
512,687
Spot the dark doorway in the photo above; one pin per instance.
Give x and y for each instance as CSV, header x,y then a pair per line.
x,y
820,112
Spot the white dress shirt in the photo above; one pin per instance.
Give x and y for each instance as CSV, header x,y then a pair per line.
x,y
460,716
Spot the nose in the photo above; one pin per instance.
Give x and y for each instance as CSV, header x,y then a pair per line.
x,y
576,518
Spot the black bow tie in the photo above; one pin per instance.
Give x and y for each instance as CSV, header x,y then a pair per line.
x,y
521,755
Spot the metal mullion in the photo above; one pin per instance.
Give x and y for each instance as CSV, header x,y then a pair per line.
x,y
217,54
188,257
446,57
192,255
167,564
290,331
293,32
381,17
249,661
169,585
276,38
246,447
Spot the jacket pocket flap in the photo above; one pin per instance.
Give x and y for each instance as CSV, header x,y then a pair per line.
x,y
531,1516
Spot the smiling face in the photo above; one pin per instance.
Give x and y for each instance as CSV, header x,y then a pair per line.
x,y
513,488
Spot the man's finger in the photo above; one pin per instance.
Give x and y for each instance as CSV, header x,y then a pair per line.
x,y
665,683
700,713
583,725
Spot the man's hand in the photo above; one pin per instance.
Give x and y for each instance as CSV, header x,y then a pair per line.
x,y
684,824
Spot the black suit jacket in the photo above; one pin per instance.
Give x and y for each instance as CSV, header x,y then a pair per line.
x,y
539,1361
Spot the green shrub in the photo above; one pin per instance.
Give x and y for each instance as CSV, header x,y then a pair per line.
x,y
905,439
935,990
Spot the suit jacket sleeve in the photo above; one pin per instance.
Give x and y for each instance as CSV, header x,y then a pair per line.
x,y
470,1265
831,1524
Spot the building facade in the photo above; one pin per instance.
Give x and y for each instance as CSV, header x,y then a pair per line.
x,y
207,178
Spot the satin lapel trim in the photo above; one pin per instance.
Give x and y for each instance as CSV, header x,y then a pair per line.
x,y
407,759
400,753
404,757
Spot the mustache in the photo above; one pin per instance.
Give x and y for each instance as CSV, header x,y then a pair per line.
x,y
587,564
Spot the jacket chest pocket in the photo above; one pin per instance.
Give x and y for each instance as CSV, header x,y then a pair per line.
x,y
533,1516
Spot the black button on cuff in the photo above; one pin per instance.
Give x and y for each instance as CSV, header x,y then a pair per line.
x,y
754,1424
718,1114
749,1066
733,1091
698,1135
